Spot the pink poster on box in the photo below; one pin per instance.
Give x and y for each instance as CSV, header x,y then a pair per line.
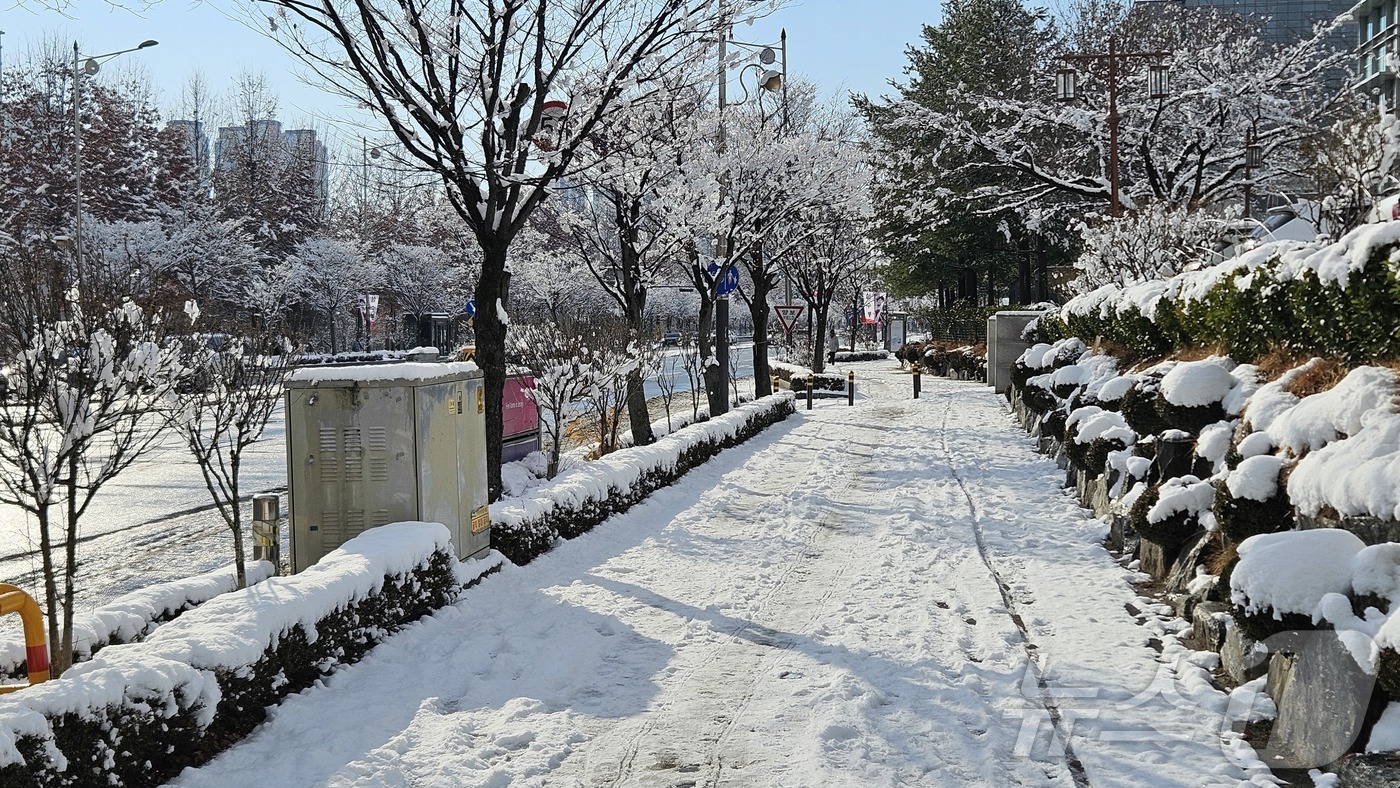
x,y
521,413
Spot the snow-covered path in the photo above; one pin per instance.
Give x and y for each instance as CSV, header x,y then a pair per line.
x,y
825,605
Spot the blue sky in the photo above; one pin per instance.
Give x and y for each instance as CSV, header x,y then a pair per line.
x,y
841,45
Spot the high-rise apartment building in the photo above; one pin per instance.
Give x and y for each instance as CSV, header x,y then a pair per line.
x,y
1378,60
266,137
1280,21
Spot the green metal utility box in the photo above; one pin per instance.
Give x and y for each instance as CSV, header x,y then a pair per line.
x,y
384,443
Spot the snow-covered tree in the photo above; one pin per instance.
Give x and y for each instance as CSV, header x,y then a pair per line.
x,y
1352,163
232,385
86,372
469,91
565,371
331,274
264,179
1155,241
956,147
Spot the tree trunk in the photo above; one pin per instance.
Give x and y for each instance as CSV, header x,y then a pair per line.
x,y
819,340
240,561
855,318
46,547
491,357
758,312
64,658
638,414
714,387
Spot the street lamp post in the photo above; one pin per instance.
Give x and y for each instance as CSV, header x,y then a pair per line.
x,y
1066,80
89,68
770,80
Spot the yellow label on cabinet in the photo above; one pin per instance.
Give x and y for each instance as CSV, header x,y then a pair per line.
x,y
452,406
481,520
481,400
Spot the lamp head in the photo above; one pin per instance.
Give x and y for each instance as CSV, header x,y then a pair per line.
x,y
147,43
771,80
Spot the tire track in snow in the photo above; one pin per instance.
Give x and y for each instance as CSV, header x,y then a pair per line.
x,y
1076,767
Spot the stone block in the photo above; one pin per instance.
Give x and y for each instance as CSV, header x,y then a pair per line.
x,y
1183,568
1242,661
1210,624
1154,560
1371,530
1373,770
1323,699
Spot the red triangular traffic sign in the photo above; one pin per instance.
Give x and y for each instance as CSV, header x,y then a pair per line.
x,y
788,314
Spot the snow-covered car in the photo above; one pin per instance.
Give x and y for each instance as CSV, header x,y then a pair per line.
x,y
1296,222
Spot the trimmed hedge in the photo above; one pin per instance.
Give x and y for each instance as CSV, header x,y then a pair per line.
x,y
861,355
1341,300
576,501
138,714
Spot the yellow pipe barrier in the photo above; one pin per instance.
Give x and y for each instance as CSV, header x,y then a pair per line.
x,y
36,640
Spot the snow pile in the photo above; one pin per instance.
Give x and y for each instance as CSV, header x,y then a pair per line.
x,y
1113,389
1185,495
1290,572
1199,383
1375,571
1255,478
131,617
1385,734
1214,442
1340,411
368,373
1359,476
1094,423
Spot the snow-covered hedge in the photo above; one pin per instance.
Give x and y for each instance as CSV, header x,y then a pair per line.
x,y
137,714
966,361
797,377
577,500
844,356
1340,299
131,617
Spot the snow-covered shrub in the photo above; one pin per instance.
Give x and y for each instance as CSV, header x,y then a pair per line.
x,y
1192,393
1358,476
1139,403
1340,411
797,377
1252,500
1339,299
1091,434
137,714
1168,514
968,362
579,499
1282,578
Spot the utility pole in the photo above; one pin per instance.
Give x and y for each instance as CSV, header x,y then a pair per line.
x,y
1066,80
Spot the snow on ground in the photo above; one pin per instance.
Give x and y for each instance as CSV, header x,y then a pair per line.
x,y
854,598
